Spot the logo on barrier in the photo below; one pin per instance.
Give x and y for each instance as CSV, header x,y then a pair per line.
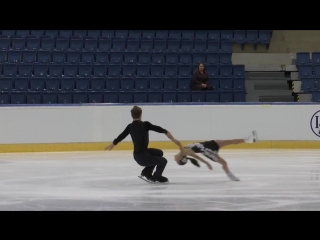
x,y
315,123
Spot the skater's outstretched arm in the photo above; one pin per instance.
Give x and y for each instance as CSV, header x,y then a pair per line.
x,y
122,136
155,128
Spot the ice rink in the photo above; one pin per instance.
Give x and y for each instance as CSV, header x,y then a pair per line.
x,y
270,180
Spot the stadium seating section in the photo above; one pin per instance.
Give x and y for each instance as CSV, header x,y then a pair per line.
x,y
121,66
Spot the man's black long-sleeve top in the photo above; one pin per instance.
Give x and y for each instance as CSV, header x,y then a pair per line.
x,y
139,132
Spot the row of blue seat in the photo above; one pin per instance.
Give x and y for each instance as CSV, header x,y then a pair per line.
x,y
307,71
113,57
119,97
304,59
116,45
310,84
249,35
116,70
114,84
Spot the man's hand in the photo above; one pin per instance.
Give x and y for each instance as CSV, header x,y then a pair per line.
x,y
110,147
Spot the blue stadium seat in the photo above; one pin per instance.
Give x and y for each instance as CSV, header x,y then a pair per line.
x,y
129,58
37,84
239,84
6,84
213,70
121,33
81,84
141,84
143,70
102,58
225,71
140,97
73,57
65,33
186,46
170,71
127,84
27,56
107,33
174,34
239,37
303,58
170,84
25,70
227,35
3,56
34,98
225,58
33,43
21,84
200,46
184,84
187,34
132,45
173,45
238,70
67,84
162,34
212,96
70,70
199,58
158,58
214,82
95,97
305,71
184,96
80,33
118,45
172,58
65,98
10,70
52,84
198,96
128,70
4,98
49,98
79,97
62,44
265,37
308,84
47,44
114,71
239,96
185,58
252,37
8,33
144,58
315,56
169,97
40,70
94,33
43,57
14,56
226,84
58,57
4,43
146,45
110,97
87,57
104,44
18,43
134,34
156,84
85,70
90,45
97,84
22,33
51,33
112,84
226,46
213,58
125,97
76,44
160,45
155,97
18,98
201,34
213,46
226,96
184,71
156,70
101,70
55,70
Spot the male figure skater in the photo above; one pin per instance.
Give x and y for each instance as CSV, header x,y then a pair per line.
x,y
144,156
210,149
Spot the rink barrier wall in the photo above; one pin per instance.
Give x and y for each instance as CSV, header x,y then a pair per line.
x,y
91,127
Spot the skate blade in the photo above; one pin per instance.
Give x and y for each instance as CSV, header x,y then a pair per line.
x,y
146,180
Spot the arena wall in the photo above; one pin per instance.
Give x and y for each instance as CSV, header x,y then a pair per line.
x,y
92,127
